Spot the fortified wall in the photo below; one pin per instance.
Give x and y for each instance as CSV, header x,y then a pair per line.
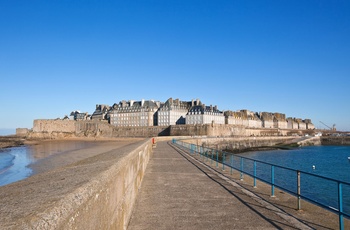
x,y
70,128
95,128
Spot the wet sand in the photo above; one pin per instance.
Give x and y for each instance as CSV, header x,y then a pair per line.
x,y
51,154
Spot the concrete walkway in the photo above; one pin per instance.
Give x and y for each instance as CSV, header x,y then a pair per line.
x,y
179,192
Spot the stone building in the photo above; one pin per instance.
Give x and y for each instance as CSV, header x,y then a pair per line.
x,y
244,118
235,118
201,114
291,123
301,123
298,123
134,113
279,121
309,124
78,116
100,112
173,112
267,119
273,120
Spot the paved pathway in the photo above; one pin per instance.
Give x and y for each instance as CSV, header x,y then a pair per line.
x,y
179,192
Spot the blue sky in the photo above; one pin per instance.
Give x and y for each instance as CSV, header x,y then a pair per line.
x,y
282,56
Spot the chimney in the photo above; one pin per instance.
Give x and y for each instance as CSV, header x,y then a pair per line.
x,y
142,102
197,102
211,108
215,108
131,102
192,103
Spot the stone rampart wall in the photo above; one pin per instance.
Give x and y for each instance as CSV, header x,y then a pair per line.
x,y
93,128
22,132
50,126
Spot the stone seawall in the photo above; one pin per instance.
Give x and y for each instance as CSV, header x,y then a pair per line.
x,y
218,130
238,143
96,193
345,140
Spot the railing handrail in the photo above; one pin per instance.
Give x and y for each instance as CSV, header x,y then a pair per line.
x,y
339,211
280,166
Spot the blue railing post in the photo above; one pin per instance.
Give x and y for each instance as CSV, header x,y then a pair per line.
x,y
254,174
340,205
241,168
231,160
217,158
298,189
272,180
223,161
192,147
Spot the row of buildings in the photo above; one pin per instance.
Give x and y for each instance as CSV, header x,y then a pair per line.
x,y
176,112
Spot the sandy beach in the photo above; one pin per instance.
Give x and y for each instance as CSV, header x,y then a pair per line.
x,y
52,154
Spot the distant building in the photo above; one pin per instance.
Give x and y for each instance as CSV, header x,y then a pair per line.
x,y
291,123
100,112
309,124
201,114
134,113
279,121
173,112
298,123
273,120
301,123
78,116
244,118
267,119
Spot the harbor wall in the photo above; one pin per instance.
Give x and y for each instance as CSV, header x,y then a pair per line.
x,y
335,140
237,143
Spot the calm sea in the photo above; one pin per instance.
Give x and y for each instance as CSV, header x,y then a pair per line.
x,y
14,164
326,161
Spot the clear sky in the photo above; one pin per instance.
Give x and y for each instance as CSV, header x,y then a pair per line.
x,y
282,56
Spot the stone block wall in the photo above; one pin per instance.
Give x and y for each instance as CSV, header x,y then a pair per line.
x,y
50,126
22,132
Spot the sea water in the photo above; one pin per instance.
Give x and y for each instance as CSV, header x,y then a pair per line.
x,y
14,164
325,161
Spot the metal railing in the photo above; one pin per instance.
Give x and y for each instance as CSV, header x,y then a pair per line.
x,y
307,186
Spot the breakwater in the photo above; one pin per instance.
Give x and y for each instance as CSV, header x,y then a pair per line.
x,y
341,140
96,193
238,143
